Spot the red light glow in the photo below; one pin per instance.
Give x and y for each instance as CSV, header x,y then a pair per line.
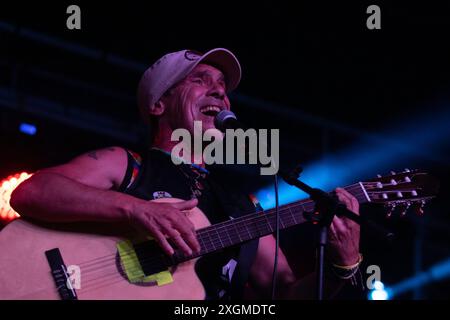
x,y
7,186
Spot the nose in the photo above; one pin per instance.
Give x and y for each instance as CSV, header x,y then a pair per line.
x,y
217,91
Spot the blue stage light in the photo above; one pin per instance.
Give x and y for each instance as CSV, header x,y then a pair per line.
x,y
400,146
379,292
436,273
28,129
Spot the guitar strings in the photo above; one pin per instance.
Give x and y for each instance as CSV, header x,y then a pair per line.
x,y
104,281
119,273
105,278
151,260
218,227
214,243
201,232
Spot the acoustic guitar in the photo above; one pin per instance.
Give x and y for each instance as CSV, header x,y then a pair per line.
x,y
106,261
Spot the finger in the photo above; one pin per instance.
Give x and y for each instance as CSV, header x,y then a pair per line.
x,y
354,204
185,227
348,203
184,223
178,240
164,244
186,205
348,199
343,199
332,230
177,235
188,233
343,195
339,225
191,238
160,238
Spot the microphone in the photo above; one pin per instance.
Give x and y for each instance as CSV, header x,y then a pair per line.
x,y
226,119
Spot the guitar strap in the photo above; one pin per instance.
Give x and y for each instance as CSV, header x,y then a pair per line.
x,y
238,204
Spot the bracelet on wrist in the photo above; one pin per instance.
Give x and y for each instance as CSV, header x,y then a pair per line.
x,y
350,273
350,267
345,274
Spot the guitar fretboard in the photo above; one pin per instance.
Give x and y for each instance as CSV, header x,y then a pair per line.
x,y
258,224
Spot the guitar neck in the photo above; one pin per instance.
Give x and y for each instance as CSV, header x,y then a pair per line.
x,y
259,224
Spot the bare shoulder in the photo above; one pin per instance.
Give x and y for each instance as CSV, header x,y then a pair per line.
x,y
110,154
103,168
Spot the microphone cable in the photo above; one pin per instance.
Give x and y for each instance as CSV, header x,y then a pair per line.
x,y
277,237
226,119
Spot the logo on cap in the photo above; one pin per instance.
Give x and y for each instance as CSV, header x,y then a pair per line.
x,y
192,55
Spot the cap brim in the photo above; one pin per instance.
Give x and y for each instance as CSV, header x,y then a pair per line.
x,y
226,62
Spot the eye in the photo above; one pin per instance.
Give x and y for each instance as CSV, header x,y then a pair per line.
x,y
197,80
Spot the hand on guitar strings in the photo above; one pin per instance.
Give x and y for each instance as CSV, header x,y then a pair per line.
x,y
167,221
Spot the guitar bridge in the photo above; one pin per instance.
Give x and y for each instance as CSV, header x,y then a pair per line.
x,y
60,275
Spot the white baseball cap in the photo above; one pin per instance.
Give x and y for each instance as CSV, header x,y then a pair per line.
x,y
174,67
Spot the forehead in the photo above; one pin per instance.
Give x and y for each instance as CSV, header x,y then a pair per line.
x,y
207,69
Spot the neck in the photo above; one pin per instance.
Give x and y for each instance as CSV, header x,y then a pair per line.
x,y
163,141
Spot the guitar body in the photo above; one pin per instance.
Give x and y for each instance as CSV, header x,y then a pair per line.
x,y
25,272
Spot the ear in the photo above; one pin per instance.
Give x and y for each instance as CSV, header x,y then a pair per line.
x,y
158,108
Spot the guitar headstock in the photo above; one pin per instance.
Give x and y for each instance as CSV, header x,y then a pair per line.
x,y
402,191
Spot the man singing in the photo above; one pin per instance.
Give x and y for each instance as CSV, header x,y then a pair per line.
x,y
116,184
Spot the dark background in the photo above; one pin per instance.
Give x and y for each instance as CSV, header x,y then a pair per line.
x,y
312,69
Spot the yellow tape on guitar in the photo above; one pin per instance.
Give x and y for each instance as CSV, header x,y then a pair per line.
x,y
133,268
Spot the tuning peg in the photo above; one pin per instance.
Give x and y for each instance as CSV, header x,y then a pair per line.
x,y
390,210
399,194
404,209
414,193
419,208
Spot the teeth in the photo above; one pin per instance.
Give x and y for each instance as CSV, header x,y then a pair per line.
x,y
210,108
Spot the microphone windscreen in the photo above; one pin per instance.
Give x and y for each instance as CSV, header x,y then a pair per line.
x,y
221,119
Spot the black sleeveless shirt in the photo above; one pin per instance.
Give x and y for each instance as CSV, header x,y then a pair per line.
x,y
224,273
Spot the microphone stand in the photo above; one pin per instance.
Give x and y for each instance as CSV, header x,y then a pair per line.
x,y
326,208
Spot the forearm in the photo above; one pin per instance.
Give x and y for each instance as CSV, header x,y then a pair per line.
x,y
306,287
56,198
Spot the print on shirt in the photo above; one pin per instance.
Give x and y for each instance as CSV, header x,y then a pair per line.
x,y
161,194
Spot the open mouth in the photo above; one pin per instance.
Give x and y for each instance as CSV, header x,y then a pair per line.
x,y
210,110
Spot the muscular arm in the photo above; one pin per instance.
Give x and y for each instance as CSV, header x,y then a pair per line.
x,y
81,190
